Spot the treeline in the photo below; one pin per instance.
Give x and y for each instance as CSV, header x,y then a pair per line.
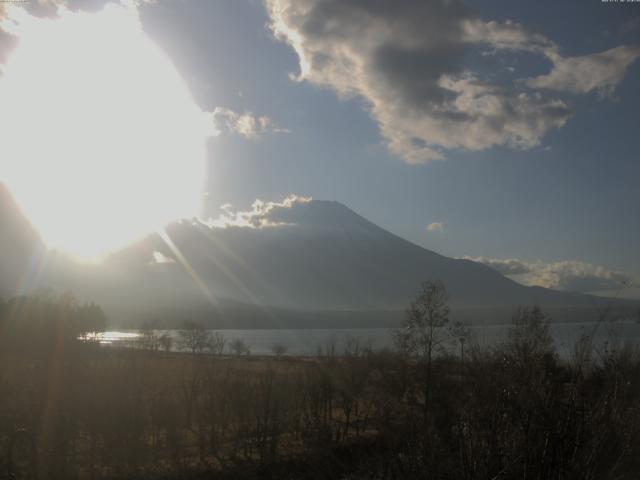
x,y
41,322
515,410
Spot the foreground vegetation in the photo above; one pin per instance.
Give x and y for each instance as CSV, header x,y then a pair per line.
x,y
76,410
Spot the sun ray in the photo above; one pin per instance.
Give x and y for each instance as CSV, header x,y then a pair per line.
x,y
102,141
164,235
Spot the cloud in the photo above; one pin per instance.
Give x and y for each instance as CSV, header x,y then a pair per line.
x,y
245,124
408,60
261,215
600,71
578,276
568,275
509,36
15,18
51,8
508,266
435,227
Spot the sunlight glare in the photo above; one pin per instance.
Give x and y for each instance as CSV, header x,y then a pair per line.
x,y
102,142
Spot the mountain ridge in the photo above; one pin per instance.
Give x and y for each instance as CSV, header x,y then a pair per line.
x,y
366,265
304,258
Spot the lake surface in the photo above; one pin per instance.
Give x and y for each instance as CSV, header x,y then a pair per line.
x,y
307,342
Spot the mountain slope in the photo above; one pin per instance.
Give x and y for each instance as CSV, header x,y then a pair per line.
x,y
311,263
321,255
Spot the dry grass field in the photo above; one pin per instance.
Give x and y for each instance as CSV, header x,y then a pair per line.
x,y
72,409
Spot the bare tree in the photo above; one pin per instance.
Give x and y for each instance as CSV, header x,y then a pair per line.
x,y
424,328
166,342
239,347
461,333
279,349
194,337
217,342
424,331
328,349
147,337
529,335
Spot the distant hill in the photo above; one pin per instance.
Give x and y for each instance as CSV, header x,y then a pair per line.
x,y
306,263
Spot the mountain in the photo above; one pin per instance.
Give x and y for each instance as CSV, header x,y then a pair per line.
x,y
319,256
300,262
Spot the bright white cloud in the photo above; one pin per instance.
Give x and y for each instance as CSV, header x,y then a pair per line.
x,y
245,124
586,73
509,36
507,266
582,74
262,214
577,276
568,275
435,227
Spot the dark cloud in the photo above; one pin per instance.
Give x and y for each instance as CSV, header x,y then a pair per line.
x,y
414,73
409,60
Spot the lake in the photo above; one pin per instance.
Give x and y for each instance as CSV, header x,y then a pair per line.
x,y
306,342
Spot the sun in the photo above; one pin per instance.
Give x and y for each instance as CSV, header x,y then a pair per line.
x,y
101,141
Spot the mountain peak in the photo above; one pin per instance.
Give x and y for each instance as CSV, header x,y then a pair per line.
x,y
320,213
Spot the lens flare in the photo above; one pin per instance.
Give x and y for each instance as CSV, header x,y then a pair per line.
x,y
101,140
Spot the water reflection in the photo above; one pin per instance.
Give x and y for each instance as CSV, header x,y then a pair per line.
x,y
111,337
307,342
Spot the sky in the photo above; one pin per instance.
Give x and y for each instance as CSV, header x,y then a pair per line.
x,y
500,131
